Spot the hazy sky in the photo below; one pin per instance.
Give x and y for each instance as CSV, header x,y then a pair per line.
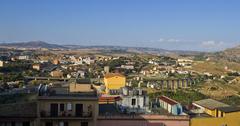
x,y
207,25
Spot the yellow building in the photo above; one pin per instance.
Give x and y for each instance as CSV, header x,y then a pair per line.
x,y
114,81
209,106
226,116
215,113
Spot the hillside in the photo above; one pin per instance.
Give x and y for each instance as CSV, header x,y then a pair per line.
x,y
100,48
231,54
31,44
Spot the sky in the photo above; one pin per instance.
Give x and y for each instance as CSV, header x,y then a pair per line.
x,y
200,25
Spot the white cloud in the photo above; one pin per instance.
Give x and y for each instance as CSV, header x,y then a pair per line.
x,y
212,44
169,40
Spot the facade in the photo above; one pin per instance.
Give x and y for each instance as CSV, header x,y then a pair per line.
x,y
209,106
143,120
1,63
81,86
56,62
56,73
25,57
18,114
36,66
106,69
114,81
170,105
226,116
133,100
63,108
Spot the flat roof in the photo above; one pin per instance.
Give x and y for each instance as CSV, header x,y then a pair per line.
x,y
19,110
210,103
229,109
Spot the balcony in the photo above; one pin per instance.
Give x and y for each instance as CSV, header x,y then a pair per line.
x,y
65,115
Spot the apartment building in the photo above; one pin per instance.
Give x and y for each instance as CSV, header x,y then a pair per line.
x,y
60,107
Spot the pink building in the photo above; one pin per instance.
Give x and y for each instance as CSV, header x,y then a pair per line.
x,y
143,120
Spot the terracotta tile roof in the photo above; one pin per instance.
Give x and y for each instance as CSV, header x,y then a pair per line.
x,y
105,99
109,75
168,100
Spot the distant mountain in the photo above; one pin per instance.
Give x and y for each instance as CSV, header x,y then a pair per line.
x,y
31,44
231,54
104,49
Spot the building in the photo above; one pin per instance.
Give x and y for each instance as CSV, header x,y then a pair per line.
x,y
58,106
106,69
133,100
171,105
128,67
55,62
143,120
214,113
113,82
36,66
24,57
185,62
56,73
81,85
18,114
209,106
1,63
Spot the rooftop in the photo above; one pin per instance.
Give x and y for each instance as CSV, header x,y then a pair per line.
x,y
83,81
210,103
229,109
24,110
109,75
64,93
168,100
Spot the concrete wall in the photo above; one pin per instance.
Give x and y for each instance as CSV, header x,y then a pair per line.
x,y
80,87
151,120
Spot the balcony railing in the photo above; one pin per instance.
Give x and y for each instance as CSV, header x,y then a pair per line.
x,y
45,114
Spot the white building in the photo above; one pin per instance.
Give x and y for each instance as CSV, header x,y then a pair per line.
x,y
133,100
25,57
1,63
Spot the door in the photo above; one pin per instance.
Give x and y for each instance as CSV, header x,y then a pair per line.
x,y
54,110
79,110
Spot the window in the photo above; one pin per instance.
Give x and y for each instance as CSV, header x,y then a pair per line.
x,y
84,123
69,107
48,124
61,107
133,102
13,124
26,124
63,123
54,110
79,110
